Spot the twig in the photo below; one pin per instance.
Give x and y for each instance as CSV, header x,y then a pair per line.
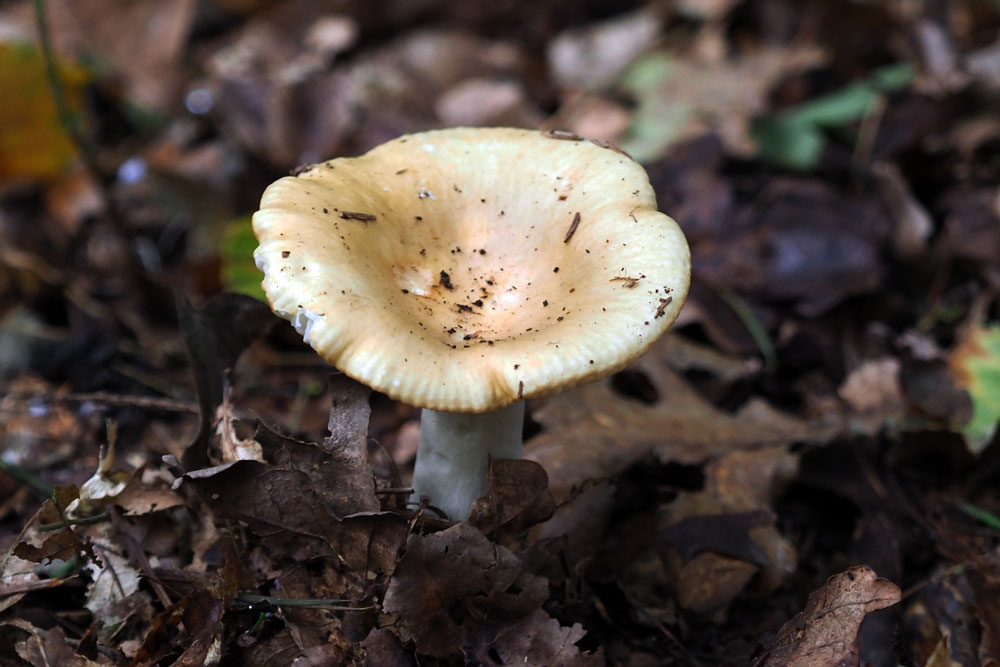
x,y
65,117
147,402
26,478
84,521
753,326
334,604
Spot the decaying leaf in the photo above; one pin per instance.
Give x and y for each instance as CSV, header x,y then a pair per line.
x,y
539,641
47,647
338,468
191,628
293,516
824,634
456,592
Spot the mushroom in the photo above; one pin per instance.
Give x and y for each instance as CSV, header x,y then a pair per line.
x,y
465,270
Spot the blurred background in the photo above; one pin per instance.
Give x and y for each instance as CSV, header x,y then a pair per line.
x,y
830,392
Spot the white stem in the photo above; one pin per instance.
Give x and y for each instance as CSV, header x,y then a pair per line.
x,y
455,450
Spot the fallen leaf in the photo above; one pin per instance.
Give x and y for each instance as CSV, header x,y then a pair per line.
x,y
682,97
795,137
215,336
456,592
708,583
540,641
33,142
113,577
824,634
912,223
972,224
385,650
141,41
48,647
339,469
975,366
594,55
285,509
191,629
518,498
487,102
594,431
723,534
17,578
874,387
816,264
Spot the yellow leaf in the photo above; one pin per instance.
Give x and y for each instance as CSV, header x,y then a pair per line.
x,y
33,142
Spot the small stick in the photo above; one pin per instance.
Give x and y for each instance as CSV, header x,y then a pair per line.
x,y
572,227
564,135
351,215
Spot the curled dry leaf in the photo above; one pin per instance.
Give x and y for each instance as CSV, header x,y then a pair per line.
x,y
215,336
824,634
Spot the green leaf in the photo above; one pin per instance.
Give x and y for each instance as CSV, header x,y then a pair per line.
x,y
680,97
975,365
239,272
786,142
795,137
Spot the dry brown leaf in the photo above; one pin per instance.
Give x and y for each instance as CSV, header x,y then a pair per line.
x,y
539,641
456,592
47,647
142,41
487,102
518,498
824,634
592,56
873,387
709,582
595,432
293,516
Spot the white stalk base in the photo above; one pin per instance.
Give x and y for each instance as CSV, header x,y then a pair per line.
x,y
452,465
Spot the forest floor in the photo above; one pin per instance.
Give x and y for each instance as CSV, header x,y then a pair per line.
x,y
803,471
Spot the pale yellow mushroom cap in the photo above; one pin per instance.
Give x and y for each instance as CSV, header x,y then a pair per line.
x,y
445,268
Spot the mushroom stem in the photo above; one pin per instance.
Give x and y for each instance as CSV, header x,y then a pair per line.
x,y
452,466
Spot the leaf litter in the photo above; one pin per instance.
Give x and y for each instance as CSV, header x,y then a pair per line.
x,y
188,484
